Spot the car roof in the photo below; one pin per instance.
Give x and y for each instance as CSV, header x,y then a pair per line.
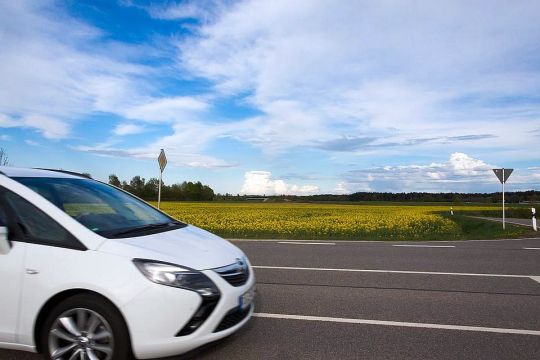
x,y
48,173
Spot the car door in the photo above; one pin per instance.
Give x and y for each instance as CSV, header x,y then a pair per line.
x,y
48,245
11,278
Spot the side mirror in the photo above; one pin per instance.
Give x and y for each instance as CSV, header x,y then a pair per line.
x,y
5,244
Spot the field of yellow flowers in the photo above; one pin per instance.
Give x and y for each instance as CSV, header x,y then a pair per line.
x,y
334,221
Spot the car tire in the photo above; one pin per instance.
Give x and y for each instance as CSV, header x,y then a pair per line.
x,y
85,326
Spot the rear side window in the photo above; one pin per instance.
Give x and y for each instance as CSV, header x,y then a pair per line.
x,y
36,226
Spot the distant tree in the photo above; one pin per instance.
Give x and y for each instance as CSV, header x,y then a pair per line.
x,y
190,191
86,175
150,191
176,192
113,180
4,159
137,185
207,193
457,199
126,187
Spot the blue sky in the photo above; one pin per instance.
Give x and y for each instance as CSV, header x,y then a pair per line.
x,y
272,97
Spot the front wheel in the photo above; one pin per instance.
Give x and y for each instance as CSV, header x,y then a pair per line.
x,y
85,327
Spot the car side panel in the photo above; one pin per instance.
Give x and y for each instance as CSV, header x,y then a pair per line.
x,y
11,276
58,269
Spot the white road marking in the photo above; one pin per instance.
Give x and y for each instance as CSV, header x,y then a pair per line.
x,y
531,248
384,241
426,246
534,277
398,323
305,243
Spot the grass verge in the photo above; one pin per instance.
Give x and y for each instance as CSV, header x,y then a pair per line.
x,y
471,228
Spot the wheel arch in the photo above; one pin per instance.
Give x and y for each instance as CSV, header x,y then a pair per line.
x,y
58,298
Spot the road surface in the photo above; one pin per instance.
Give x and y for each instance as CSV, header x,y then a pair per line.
x,y
387,300
514,221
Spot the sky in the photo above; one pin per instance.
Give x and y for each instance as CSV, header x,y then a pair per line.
x,y
276,97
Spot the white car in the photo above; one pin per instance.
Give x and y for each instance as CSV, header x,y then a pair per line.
x,y
88,271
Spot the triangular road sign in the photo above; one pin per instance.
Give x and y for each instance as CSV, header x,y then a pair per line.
x,y
162,160
499,173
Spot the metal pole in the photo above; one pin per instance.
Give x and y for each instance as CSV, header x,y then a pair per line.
x,y
504,217
159,190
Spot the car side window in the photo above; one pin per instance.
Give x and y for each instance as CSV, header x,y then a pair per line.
x,y
36,226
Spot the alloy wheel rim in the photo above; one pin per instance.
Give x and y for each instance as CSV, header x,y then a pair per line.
x,y
81,334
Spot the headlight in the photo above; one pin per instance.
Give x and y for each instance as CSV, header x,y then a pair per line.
x,y
177,276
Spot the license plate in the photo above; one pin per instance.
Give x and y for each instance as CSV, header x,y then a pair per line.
x,y
246,299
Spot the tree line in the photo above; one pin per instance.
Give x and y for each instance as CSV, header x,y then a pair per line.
x,y
148,189
456,198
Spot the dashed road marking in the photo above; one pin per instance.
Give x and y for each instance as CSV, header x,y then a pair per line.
x,y
305,243
426,246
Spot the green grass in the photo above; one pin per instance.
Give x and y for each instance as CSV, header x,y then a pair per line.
x,y
511,212
471,228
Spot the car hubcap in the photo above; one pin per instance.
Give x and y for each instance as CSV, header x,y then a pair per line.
x,y
81,334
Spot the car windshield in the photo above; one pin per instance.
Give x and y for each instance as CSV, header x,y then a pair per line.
x,y
101,208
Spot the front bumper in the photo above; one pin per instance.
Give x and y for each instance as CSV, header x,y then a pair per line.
x,y
156,315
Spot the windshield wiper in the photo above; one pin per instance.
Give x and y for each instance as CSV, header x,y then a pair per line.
x,y
147,227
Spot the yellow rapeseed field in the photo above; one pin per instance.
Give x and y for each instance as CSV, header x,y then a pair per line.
x,y
320,221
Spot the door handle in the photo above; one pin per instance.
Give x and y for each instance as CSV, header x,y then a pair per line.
x,y
32,272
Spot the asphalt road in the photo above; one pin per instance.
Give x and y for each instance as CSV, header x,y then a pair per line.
x,y
385,300
515,221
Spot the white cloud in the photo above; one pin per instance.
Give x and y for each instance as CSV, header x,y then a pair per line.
x,y
128,129
60,68
166,109
200,10
460,173
32,143
7,122
4,137
342,188
463,165
400,77
388,70
262,183
49,127
175,157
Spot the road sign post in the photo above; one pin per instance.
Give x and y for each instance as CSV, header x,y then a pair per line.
x,y
534,219
162,161
503,175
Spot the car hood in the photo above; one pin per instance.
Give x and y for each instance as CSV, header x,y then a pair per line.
x,y
188,246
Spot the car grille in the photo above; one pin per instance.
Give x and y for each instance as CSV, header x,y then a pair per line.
x,y
233,317
235,274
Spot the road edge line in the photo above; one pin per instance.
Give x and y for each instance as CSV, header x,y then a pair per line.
x,y
398,324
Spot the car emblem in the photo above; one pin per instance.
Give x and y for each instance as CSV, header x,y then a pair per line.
x,y
242,266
